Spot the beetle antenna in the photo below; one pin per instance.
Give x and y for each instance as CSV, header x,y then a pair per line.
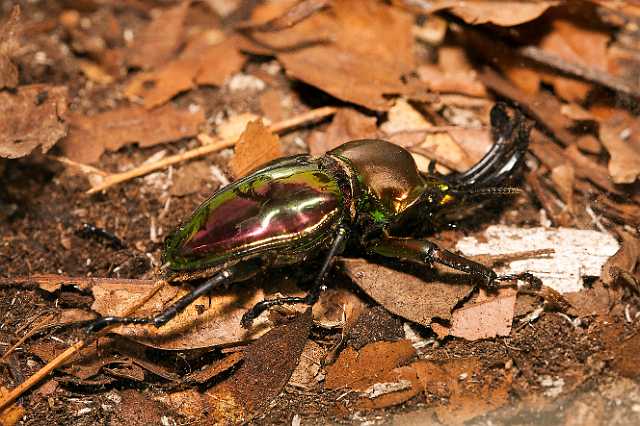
x,y
499,191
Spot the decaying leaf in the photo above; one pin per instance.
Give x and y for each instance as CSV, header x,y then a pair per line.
x,y
32,116
209,59
209,321
89,136
469,391
305,374
347,125
486,317
336,49
577,253
267,366
225,364
459,81
626,259
402,117
418,298
624,164
8,45
160,38
256,146
12,414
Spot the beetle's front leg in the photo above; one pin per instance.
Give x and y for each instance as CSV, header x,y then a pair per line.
x,y
424,251
313,294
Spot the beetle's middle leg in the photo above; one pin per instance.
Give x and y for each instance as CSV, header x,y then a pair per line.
x,y
424,251
313,294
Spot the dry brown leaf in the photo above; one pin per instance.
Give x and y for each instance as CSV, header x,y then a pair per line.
x,y
89,136
335,50
209,59
348,124
337,307
627,357
32,116
304,376
486,317
455,148
358,370
500,12
8,45
405,294
225,364
295,14
624,161
268,365
469,392
209,321
402,117
564,177
160,39
459,81
256,146
625,259
12,414
594,301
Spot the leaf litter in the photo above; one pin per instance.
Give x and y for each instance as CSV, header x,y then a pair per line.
x,y
157,74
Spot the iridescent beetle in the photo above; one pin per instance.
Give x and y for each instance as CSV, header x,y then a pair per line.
x,y
365,193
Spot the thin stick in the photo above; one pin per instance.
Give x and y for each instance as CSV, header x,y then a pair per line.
x,y
84,168
39,375
215,145
596,76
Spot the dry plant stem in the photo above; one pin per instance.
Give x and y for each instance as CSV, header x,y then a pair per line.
x,y
578,70
42,324
84,168
71,351
215,145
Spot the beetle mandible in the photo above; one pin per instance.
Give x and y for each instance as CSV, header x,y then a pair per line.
x,y
364,193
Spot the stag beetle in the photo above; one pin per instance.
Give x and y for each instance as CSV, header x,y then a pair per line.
x,y
364,194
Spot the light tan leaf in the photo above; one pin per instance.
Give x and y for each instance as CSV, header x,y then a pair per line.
x,y
256,146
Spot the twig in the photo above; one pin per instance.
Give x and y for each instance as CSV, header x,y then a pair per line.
x,y
17,392
213,146
84,168
579,70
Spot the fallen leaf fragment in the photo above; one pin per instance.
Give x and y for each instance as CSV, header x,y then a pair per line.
x,y
8,45
486,317
209,59
12,414
89,136
358,370
335,50
418,298
256,146
296,13
209,321
212,371
627,357
32,116
469,391
402,117
577,253
159,40
503,13
306,373
267,366
460,81
348,124
624,162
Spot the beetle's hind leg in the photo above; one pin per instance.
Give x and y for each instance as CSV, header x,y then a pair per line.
x,y
238,272
313,294
424,251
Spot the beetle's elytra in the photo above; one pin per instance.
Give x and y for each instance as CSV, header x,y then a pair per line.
x,y
365,193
